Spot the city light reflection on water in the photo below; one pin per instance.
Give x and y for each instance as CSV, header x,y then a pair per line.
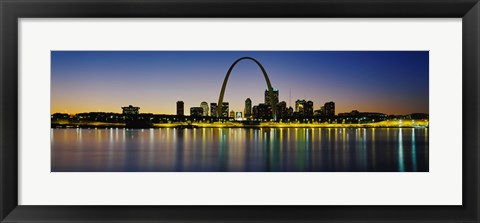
x,y
240,149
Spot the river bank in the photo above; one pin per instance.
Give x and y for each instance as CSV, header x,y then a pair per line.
x,y
233,124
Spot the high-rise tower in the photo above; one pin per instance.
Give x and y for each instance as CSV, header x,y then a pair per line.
x,y
204,106
275,98
248,108
180,110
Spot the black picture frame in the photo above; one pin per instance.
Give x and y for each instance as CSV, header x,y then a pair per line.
x,y
12,10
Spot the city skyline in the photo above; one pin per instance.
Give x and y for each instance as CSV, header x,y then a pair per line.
x,y
390,82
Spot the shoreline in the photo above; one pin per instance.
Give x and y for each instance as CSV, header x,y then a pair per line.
x,y
384,124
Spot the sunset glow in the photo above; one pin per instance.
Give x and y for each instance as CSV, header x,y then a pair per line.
x,y
89,81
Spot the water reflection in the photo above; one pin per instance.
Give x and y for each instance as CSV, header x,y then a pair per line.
x,y
237,149
414,152
401,165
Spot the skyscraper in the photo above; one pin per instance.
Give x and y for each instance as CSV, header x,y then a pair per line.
x,y
248,108
204,106
300,106
309,108
275,97
282,109
329,109
180,110
225,108
213,110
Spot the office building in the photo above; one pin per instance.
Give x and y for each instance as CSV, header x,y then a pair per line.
x,y
213,110
275,97
196,111
329,109
282,109
300,106
130,110
248,108
180,110
225,108
309,108
238,116
262,111
204,106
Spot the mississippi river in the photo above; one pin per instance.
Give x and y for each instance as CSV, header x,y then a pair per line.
x,y
240,150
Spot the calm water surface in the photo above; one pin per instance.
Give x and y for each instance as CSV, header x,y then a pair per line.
x,y
239,149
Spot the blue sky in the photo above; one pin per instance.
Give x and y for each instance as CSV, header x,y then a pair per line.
x,y
392,82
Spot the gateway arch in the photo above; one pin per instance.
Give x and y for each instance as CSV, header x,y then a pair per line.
x,y
269,85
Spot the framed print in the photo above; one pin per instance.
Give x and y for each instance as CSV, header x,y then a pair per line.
x,y
236,134
204,111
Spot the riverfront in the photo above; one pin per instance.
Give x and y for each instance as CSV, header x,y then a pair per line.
x,y
382,124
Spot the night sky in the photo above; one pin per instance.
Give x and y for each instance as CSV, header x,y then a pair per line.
x,y
391,82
